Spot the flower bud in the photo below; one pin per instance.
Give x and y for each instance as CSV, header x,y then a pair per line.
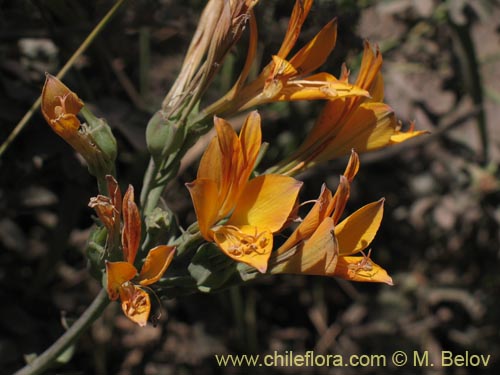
x,y
162,136
160,225
59,108
94,141
96,251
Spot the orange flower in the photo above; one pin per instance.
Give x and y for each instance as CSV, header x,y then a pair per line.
x,y
59,107
135,300
289,80
360,123
109,209
320,246
94,140
255,209
136,304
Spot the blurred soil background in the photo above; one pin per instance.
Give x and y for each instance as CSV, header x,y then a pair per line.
x,y
440,234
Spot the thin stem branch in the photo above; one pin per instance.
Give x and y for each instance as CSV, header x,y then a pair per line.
x,y
47,358
86,43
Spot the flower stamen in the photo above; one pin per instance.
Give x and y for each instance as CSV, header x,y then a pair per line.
x,y
364,264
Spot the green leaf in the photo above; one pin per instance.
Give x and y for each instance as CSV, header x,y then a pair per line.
x,y
211,268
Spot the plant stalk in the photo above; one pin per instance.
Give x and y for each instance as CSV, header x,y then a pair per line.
x,y
49,356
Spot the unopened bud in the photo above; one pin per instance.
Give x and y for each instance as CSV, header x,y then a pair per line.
x,y
94,142
160,225
162,136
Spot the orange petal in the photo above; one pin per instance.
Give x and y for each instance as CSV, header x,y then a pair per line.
x,y
314,54
371,127
227,167
104,210
311,222
358,230
371,63
327,125
315,87
251,140
361,269
266,202
131,232
339,201
377,89
204,195
58,99
210,158
246,244
114,192
66,126
282,69
400,137
352,167
156,263
227,137
117,274
136,304
299,13
315,256
218,159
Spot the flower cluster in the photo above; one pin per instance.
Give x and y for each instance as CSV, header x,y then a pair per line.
x,y
363,123
240,213
289,79
135,300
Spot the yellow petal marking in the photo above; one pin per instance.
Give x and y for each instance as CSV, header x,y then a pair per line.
x,y
246,244
136,303
361,269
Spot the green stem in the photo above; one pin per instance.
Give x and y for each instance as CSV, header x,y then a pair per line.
x,y
102,184
153,188
47,358
148,177
86,43
160,173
